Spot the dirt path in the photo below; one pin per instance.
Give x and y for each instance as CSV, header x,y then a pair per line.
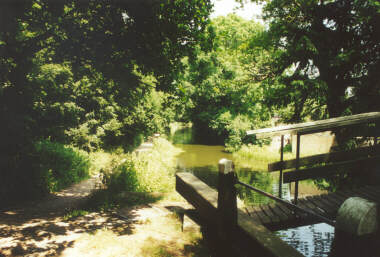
x,y
41,229
35,228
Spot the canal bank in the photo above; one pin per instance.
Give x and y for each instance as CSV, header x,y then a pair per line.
x,y
202,160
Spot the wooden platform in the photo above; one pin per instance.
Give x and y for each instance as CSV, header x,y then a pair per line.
x,y
277,216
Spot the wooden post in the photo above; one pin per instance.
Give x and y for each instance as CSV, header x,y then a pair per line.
x,y
227,204
297,167
281,160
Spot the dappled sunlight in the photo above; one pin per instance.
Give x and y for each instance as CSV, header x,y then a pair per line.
x,y
51,235
155,231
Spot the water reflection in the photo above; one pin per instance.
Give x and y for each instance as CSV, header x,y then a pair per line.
x,y
312,241
202,161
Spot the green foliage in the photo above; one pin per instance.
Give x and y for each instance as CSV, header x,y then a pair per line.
x,y
86,74
324,56
74,213
59,166
221,96
150,171
130,178
257,157
48,167
237,129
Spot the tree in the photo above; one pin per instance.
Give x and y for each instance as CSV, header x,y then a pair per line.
x,y
326,53
83,65
225,98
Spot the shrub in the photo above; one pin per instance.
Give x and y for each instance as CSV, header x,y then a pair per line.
x,y
237,129
150,171
39,169
59,166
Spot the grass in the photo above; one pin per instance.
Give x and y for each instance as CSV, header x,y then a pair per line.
x,y
152,234
132,179
258,157
74,213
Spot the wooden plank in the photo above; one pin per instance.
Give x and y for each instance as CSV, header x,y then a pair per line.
x,y
274,218
249,235
320,203
346,194
265,211
334,206
262,215
282,216
328,170
365,195
311,206
227,199
370,192
199,194
374,189
333,197
316,126
339,197
287,210
252,214
263,242
325,158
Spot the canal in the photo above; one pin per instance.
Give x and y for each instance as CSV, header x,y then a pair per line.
x,y
202,161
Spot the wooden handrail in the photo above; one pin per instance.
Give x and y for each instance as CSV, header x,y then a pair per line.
x,y
325,158
328,170
216,208
316,126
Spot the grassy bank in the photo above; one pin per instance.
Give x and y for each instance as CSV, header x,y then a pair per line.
x,y
145,177
138,188
258,157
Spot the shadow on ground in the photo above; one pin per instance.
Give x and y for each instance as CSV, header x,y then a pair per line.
x,y
42,229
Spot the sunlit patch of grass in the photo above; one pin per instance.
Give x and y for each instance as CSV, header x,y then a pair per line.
x,y
101,160
74,213
156,234
258,158
104,200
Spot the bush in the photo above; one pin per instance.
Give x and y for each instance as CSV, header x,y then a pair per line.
x,y
237,130
59,166
150,171
40,169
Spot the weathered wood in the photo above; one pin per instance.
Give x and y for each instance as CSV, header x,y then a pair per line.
x,y
331,206
250,236
308,204
328,170
316,126
297,167
267,244
262,215
270,213
336,200
227,206
281,169
326,158
365,194
280,214
199,194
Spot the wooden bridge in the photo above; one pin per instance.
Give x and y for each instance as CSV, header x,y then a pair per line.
x,y
277,216
249,229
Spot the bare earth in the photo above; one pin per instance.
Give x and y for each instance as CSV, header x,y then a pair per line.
x,y
39,229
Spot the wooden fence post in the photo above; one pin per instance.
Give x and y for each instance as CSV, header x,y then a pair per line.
x,y
227,204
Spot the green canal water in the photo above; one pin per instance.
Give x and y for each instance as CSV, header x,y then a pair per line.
x,y
202,160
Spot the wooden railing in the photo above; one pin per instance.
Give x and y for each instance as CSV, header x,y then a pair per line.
x,y
218,210
346,159
326,165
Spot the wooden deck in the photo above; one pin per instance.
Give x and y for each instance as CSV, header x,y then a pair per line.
x,y
277,216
